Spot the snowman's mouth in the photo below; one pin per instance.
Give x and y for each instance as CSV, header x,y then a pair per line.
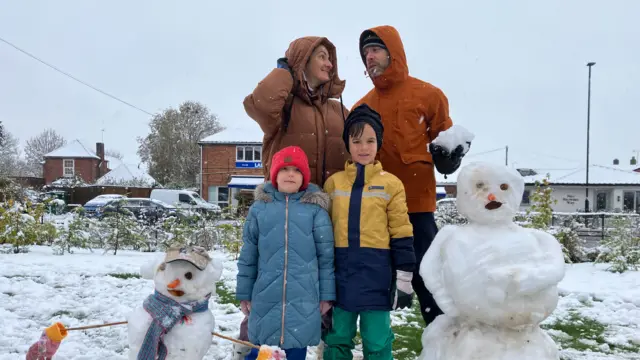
x,y
492,205
176,293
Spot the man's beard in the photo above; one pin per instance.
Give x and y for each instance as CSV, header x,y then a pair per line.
x,y
375,71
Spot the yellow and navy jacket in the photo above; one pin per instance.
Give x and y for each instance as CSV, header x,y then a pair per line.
x,y
372,233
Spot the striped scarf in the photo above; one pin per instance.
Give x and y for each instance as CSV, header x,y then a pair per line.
x,y
166,313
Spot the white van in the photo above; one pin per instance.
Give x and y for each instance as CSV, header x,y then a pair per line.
x,y
183,199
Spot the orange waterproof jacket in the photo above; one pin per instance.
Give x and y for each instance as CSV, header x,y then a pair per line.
x,y
413,113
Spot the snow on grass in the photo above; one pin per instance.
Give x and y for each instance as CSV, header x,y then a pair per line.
x,y
598,316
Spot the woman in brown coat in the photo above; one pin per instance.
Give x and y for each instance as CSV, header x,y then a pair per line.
x,y
295,105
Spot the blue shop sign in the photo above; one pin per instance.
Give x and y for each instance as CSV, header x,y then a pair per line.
x,y
249,164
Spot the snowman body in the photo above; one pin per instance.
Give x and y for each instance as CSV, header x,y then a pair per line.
x,y
185,283
494,280
187,340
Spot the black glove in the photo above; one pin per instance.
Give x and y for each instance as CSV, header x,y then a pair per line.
x,y
283,63
447,162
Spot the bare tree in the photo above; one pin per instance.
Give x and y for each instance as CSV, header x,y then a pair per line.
x,y
114,154
40,145
1,133
10,162
171,149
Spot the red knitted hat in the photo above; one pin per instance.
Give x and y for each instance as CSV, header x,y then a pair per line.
x,y
290,156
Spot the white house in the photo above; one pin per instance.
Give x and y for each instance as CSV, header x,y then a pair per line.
x,y
612,188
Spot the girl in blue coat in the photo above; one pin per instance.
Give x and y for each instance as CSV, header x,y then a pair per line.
x,y
285,270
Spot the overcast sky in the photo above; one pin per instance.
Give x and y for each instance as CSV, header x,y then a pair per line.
x,y
514,74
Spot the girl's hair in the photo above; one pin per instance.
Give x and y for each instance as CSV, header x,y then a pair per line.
x,y
356,130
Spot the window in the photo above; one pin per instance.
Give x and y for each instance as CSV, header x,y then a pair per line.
x,y
223,197
68,168
219,195
249,153
638,202
628,202
526,197
184,198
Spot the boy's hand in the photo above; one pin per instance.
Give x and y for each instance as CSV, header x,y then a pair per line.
x,y
404,291
245,307
325,306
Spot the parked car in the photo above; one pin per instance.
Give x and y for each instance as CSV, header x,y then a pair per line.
x,y
148,210
94,206
184,199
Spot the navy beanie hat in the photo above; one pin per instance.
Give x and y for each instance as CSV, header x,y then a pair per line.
x,y
363,113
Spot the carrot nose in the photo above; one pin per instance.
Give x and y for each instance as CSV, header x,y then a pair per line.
x,y
174,284
491,197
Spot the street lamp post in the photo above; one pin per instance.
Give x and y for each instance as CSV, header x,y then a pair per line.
x,y
586,199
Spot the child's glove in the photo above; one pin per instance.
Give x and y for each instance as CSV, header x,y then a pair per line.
x,y
245,307
404,291
325,306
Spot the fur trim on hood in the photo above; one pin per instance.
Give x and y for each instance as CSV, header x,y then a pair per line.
x,y
312,195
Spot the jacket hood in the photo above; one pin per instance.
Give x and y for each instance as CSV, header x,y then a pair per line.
x,y
312,195
298,56
398,70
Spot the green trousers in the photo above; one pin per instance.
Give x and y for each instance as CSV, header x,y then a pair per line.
x,y
375,330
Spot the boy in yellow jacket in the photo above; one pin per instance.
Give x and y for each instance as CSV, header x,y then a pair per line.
x,y
374,259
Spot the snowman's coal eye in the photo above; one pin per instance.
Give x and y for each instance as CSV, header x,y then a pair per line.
x,y
188,275
480,185
504,187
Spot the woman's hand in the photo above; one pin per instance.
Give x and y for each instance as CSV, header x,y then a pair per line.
x,y
245,307
325,306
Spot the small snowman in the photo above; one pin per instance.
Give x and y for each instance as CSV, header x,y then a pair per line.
x,y
175,322
494,280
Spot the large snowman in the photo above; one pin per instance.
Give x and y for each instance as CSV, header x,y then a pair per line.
x,y
175,322
494,280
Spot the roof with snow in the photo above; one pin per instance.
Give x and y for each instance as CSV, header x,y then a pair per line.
x,y
112,161
74,149
249,133
127,174
598,175
562,171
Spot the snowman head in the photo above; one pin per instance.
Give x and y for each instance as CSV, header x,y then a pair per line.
x,y
489,193
187,274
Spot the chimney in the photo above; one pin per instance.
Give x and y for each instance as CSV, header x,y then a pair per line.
x,y
633,161
616,162
102,165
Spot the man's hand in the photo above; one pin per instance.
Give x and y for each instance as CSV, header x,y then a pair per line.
x,y
325,306
404,291
447,162
245,307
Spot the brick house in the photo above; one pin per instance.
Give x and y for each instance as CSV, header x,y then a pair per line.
x,y
75,159
231,164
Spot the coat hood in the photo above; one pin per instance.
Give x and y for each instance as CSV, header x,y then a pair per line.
x,y
312,195
298,56
398,69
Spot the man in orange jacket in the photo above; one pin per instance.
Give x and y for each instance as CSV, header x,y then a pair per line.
x,y
414,113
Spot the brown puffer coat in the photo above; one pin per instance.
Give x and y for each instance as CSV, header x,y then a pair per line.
x,y
315,122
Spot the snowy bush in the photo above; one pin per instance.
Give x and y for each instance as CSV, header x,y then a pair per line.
x,y
125,231
231,232
540,213
447,214
77,234
621,246
573,247
18,225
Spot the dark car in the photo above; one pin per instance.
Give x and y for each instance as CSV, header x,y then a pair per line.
x,y
144,209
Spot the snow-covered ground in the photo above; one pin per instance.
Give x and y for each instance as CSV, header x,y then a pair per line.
x,y
38,288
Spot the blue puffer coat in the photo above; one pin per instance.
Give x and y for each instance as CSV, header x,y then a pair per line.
x,y
286,266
